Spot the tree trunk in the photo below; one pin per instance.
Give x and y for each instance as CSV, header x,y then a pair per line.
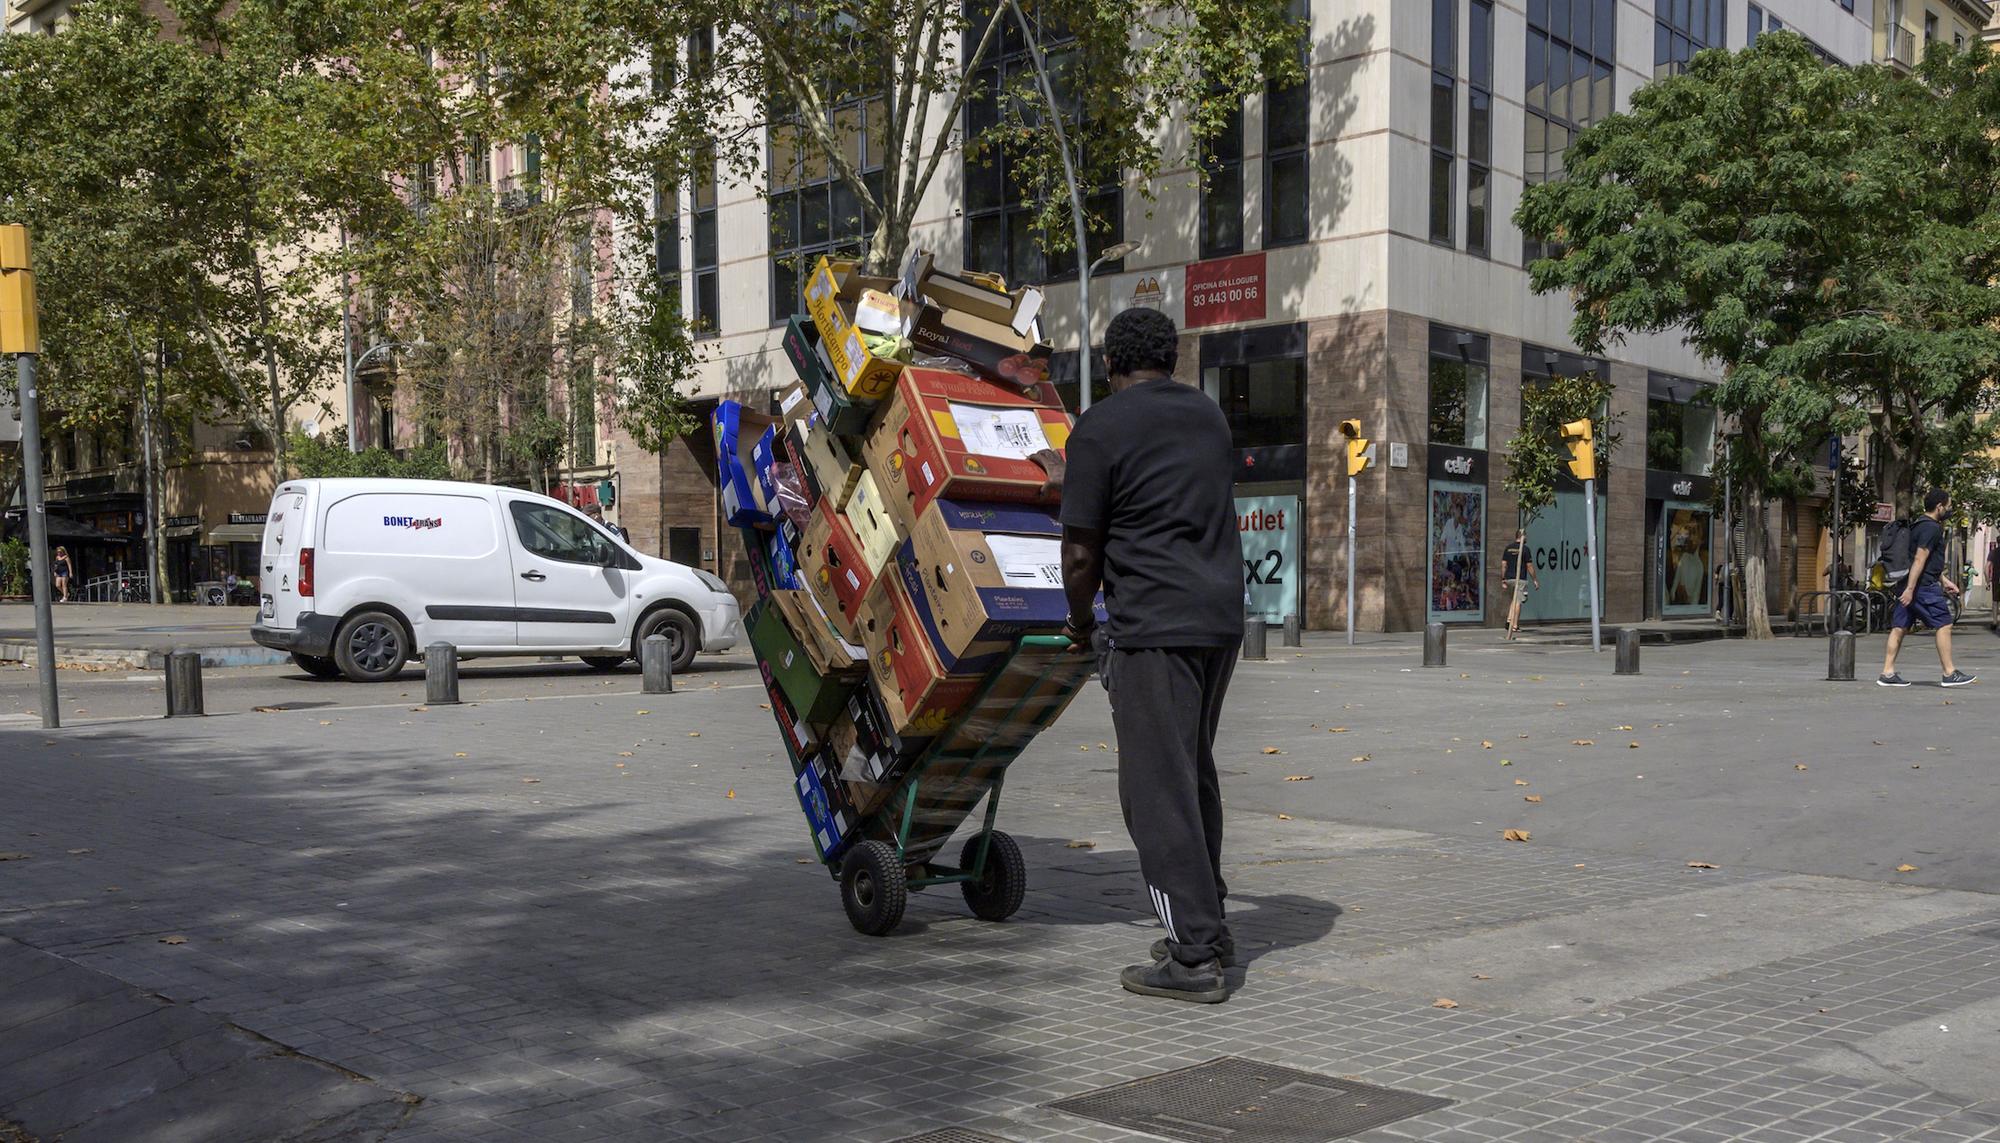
x,y
1756,600
660,503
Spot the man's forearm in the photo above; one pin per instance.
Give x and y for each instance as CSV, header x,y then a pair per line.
x,y
1083,570
1917,564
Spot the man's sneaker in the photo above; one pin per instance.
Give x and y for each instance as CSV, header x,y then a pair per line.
x,y
1225,951
1892,681
1197,983
1960,679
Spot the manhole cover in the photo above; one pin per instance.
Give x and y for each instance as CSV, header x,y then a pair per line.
x,y
953,1135
1233,1100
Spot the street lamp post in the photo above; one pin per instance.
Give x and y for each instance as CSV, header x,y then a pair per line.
x,y
1075,206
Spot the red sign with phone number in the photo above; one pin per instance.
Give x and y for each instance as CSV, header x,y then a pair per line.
x,y
1225,290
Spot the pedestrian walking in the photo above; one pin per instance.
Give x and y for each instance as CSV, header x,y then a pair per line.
x,y
1925,590
1993,584
1149,514
64,572
1513,561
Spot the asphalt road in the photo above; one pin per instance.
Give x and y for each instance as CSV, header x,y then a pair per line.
x,y
1733,753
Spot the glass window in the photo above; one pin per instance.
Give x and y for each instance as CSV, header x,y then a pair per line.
x,y
1287,168
1000,230
814,212
1479,132
1682,28
1569,84
1222,197
1265,401
554,534
1458,385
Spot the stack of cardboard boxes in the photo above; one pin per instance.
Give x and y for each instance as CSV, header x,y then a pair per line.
x,y
900,535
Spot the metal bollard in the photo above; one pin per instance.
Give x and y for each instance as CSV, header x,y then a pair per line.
x,y
440,674
1254,638
1434,645
656,659
1294,633
1628,652
1840,657
184,684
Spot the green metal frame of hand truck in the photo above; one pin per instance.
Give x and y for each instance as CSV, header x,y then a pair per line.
x,y
935,874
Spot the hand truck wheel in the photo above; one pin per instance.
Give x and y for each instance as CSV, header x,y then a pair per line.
x,y
998,891
874,887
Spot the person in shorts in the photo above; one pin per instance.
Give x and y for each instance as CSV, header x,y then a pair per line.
x,y
1925,598
1513,561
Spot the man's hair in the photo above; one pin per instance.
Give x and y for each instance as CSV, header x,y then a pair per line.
x,y
1934,498
1140,338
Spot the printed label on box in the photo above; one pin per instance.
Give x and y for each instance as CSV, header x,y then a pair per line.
x,y
1013,433
855,356
1027,561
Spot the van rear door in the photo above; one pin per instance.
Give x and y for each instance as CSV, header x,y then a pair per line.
x,y
287,530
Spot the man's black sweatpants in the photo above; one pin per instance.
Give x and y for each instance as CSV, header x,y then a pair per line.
x,y
1165,704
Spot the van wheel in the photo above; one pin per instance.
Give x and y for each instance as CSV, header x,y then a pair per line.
x,y
604,662
318,666
371,647
683,640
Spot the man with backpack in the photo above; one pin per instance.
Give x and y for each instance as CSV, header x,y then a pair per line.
x,y
1913,557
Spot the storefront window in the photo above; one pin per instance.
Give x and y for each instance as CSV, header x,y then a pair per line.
x,y
1686,530
1458,387
1265,401
1457,545
1680,432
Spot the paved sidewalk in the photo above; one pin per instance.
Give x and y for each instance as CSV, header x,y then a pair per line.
x,y
587,917
136,635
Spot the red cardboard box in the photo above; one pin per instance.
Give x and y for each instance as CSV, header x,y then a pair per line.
x,y
834,568
921,698
965,438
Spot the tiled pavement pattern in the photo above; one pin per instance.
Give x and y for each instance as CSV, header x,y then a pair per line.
x,y
620,949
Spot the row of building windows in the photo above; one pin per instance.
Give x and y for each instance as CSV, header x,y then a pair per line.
x,y
1479,124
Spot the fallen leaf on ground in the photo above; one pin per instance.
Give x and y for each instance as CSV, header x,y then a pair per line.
x,y
802,861
173,940
763,706
1081,843
420,710
1879,742
1703,865
1298,777
268,709
1535,798
625,754
1515,835
530,781
730,794
1621,728
1631,746
1343,730
1906,869
1583,742
1481,976
1272,750
1103,746
1506,761
79,852
1284,817
1798,765
326,722
1361,758
14,855
1486,744
1520,781
1444,1002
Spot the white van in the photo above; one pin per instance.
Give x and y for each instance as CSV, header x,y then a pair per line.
x,y
361,575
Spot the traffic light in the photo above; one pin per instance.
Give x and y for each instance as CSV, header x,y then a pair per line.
x,y
18,325
1582,450
1359,450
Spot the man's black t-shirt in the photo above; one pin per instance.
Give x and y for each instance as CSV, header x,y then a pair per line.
x,y
1152,467
1928,534
1510,562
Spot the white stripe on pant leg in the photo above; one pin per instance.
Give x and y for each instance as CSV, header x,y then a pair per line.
x,y
1165,908
1170,917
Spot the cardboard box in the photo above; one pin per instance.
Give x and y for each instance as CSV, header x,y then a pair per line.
x,y
981,295
834,569
990,347
844,415
875,524
832,295
828,815
920,696
871,756
981,575
832,656
815,698
802,741
823,460
744,440
781,548
962,438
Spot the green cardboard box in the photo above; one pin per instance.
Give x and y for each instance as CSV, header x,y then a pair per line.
x,y
817,700
844,414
